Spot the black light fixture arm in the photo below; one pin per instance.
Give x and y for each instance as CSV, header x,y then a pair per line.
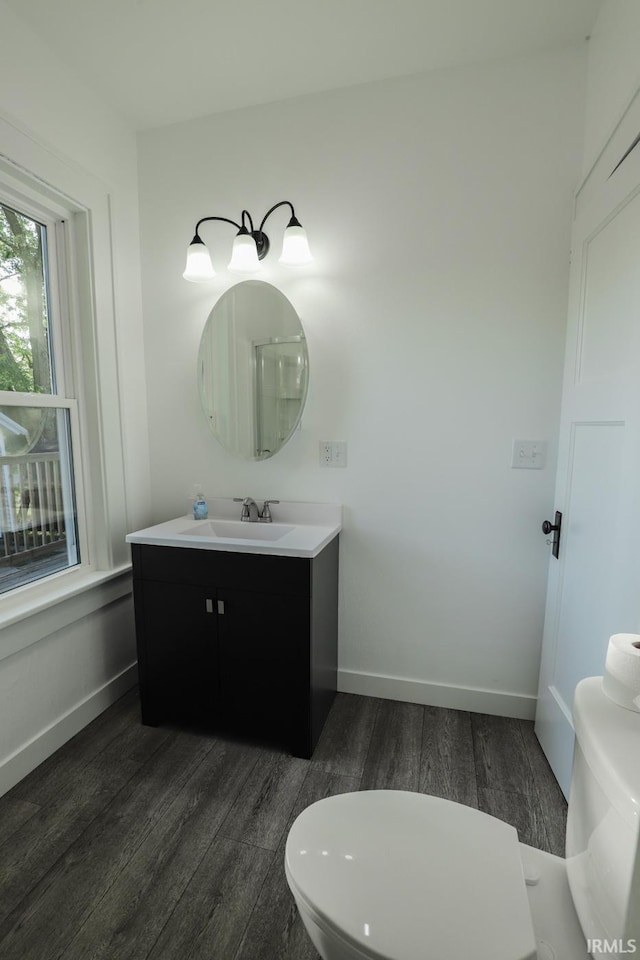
x,y
260,237
198,239
282,203
246,226
247,216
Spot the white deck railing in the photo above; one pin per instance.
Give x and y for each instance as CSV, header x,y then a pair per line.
x,y
31,505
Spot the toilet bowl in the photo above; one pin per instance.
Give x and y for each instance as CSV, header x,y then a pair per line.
x,y
393,875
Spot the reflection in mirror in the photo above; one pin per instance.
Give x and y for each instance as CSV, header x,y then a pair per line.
x,y
253,370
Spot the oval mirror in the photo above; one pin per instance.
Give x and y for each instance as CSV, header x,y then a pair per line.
x,y
253,370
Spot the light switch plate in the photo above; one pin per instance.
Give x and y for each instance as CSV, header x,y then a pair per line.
x,y
528,454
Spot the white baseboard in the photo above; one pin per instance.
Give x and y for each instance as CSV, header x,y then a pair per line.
x,y
31,754
438,694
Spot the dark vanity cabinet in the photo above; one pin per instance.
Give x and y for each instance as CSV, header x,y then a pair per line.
x,y
242,643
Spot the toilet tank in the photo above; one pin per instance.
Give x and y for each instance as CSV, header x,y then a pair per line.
x,y
602,851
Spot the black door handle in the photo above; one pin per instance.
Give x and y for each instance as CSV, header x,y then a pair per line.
x,y
555,528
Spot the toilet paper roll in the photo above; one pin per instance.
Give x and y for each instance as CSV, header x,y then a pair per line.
x,y
621,680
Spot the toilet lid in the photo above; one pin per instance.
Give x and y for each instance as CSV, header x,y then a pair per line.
x,y
405,876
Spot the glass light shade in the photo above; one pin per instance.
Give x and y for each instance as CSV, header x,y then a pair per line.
x,y
295,247
244,257
199,267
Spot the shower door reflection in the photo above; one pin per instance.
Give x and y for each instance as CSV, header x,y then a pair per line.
x,y
280,389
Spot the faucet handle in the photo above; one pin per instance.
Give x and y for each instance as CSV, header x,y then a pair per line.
x,y
266,512
245,506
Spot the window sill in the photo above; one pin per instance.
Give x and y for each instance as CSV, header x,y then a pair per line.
x,y
37,610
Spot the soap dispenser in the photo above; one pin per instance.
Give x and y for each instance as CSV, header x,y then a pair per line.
x,y
200,508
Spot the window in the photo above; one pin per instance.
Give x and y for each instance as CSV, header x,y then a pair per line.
x,y
39,528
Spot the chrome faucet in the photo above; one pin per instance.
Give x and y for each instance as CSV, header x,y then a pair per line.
x,y
251,513
250,510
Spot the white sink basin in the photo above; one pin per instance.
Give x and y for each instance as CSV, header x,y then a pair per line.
x,y
298,530
237,529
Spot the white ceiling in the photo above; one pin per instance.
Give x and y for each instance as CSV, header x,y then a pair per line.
x,y
161,61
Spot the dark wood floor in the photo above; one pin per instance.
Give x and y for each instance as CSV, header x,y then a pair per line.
x,y
134,842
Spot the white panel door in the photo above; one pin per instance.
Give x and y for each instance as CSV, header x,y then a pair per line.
x,y
594,585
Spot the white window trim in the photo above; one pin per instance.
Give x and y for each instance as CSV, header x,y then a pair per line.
x,y
28,169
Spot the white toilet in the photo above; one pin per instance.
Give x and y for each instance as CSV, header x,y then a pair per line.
x,y
391,875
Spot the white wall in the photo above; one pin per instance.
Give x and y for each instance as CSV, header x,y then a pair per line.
x,y
61,663
439,209
613,72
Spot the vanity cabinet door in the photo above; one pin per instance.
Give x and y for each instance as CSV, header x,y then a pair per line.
x,y
259,661
264,664
177,651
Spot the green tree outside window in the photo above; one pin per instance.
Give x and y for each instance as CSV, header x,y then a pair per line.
x,y
24,341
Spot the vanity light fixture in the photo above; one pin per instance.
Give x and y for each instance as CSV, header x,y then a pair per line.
x,y
249,247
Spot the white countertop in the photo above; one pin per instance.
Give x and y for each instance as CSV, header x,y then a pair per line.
x,y
305,528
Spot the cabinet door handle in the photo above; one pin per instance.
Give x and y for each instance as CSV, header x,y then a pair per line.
x,y
220,606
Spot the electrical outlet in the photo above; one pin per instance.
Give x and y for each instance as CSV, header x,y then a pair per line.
x,y
333,453
326,453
